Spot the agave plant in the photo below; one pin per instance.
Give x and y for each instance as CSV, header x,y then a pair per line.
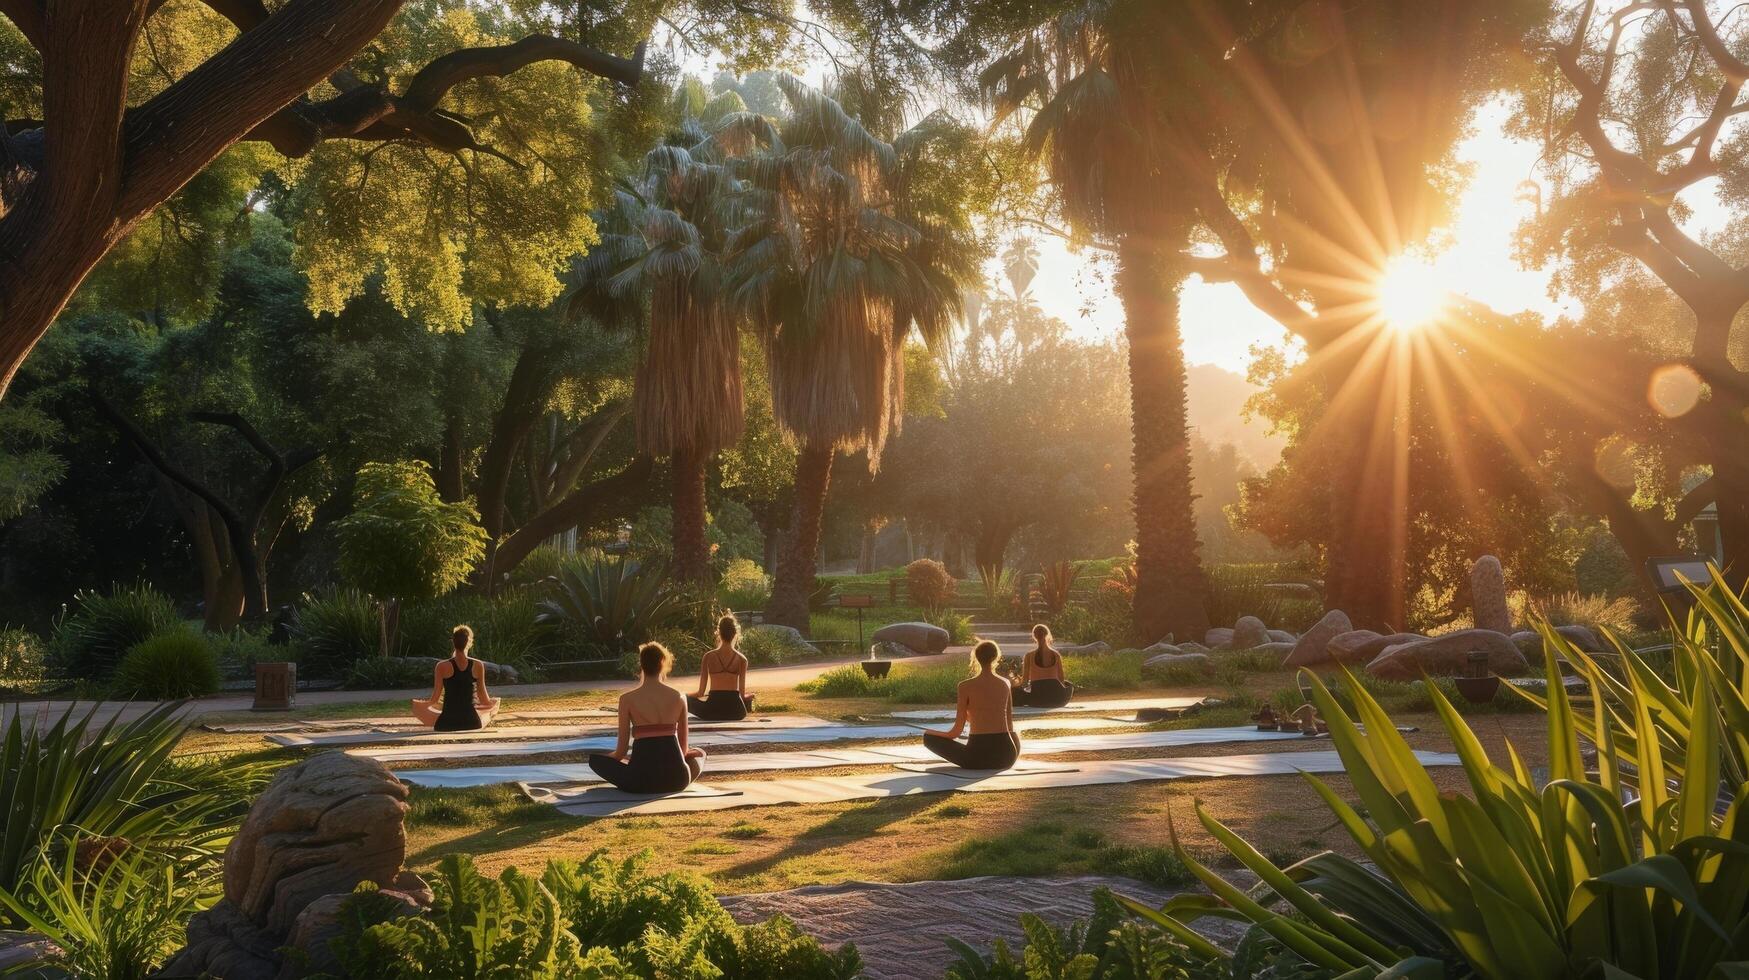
x,y
613,602
998,582
114,782
1056,584
1714,643
1611,874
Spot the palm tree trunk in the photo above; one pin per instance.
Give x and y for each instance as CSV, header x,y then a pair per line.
x,y
1170,587
692,558
795,567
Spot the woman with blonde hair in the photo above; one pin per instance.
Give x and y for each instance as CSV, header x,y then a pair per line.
x,y
986,706
722,679
652,755
459,684
1042,682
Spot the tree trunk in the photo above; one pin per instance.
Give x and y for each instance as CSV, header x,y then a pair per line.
x,y
617,494
1729,441
990,547
1170,587
1364,568
692,555
449,463
795,568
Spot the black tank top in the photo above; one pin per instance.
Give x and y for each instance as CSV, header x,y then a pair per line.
x,y
458,687
1038,659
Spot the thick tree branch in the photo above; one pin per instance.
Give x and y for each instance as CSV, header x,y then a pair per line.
x,y
434,81
616,495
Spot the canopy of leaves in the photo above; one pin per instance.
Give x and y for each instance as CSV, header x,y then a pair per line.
x,y
403,541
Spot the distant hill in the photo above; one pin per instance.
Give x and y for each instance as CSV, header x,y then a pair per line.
x,y
1217,405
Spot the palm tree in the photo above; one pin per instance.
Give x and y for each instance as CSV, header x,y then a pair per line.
x,y
848,247
659,266
1108,82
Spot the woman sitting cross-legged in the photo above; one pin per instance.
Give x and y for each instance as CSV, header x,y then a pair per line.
x,y
986,704
459,683
722,679
652,755
1042,683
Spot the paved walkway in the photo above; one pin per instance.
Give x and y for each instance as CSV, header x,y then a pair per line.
x,y
901,931
761,679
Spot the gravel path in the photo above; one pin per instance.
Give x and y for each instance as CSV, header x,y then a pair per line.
x,y
902,930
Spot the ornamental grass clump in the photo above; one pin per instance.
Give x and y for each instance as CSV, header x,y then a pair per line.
x,y
1638,869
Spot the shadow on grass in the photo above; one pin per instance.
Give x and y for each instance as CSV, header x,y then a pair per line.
x,y
501,817
853,823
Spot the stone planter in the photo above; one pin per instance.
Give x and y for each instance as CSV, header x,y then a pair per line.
x,y
876,668
276,686
1478,690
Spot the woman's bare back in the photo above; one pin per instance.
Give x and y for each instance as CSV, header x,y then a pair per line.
x,y
987,700
653,704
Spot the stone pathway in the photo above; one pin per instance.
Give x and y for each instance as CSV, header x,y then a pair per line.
x,y
902,930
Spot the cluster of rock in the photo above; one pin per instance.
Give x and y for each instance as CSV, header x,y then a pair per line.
x,y
1388,656
322,827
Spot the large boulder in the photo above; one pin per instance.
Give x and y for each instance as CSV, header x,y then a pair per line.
x,y
921,637
1312,649
1190,646
322,827
1248,632
1281,636
1448,656
1530,642
1488,595
1361,646
1096,647
1167,661
1271,649
1219,636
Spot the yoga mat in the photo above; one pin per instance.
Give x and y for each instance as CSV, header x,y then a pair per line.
x,y
828,758
502,733
1130,705
613,794
388,722
949,769
839,789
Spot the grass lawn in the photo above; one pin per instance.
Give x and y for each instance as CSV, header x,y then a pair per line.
x,y
1120,829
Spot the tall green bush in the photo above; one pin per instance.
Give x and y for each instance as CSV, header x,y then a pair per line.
x,y
21,657
334,631
402,540
177,664
101,627
929,584
613,604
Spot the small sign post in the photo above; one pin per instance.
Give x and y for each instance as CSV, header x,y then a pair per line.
x,y
858,603
1672,574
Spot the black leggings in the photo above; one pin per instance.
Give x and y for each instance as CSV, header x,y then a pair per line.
x,y
655,766
991,750
720,706
1044,694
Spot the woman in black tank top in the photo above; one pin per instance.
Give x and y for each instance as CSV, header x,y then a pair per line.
x,y
1043,691
460,684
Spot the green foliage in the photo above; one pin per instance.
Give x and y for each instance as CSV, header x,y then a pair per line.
x,y
113,781
101,628
958,625
1241,590
766,647
1105,616
176,664
998,584
388,674
538,565
929,584
1106,947
28,467
1056,584
595,919
332,632
244,648
21,657
613,604
1516,878
118,917
402,540
745,585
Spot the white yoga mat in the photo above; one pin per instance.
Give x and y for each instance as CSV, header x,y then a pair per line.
x,y
590,802
1126,705
828,758
503,733
390,722
1021,768
609,794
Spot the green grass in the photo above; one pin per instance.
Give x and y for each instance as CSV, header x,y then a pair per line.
x,y
746,831
1049,847
472,807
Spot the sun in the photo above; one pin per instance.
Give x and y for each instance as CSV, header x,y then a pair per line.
x,y
1410,293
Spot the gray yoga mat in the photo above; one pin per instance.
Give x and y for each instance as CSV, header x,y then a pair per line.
x,y
590,802
1120,706
1021,768
828,758
503,733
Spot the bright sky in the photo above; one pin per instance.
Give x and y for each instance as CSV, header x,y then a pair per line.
x,y
1220,326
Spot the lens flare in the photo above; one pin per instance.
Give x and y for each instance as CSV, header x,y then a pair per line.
x,y
1410,295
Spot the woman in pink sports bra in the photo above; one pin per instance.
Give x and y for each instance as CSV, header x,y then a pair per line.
x,y
652,755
